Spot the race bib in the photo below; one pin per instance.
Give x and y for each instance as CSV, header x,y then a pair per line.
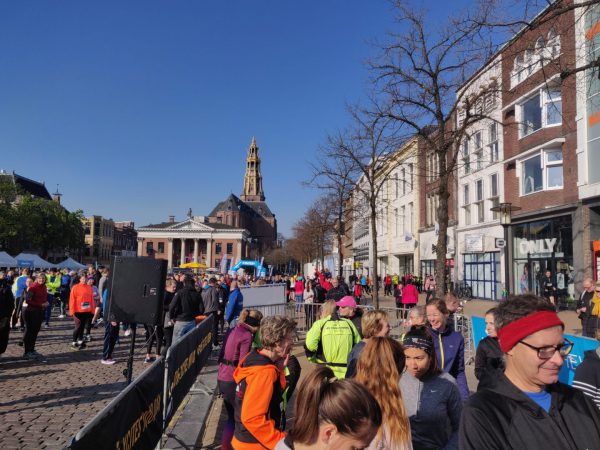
x,y
85,305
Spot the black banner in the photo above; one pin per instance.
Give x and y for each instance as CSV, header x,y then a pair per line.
x,y
133,420
185,360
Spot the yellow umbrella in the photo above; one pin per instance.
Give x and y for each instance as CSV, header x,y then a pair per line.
x,y
193,265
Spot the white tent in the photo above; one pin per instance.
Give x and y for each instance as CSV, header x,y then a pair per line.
x,y
70,263
7,261
32,260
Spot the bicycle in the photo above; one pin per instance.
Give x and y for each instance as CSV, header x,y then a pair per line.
x,y
463,291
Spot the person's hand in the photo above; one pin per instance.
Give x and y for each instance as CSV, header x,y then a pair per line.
x,y
45,305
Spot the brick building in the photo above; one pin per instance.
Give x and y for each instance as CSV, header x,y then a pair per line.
x,y
237,227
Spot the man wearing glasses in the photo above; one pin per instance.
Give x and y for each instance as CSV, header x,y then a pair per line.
x,y
526,407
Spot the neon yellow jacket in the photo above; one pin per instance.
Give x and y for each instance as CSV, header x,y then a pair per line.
x,y
53,285
330,340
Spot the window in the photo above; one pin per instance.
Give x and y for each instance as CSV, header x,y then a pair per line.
x,y
494,185
403,178
478,151
396,187
161,247
218,248
395,222
466,194
402,220
465,156
543,171
544,109
410,177
553,47
493,139
230,249
466,204
479,201
149,248
409,226
431,208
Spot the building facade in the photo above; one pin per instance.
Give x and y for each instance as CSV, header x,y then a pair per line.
x,y
99,239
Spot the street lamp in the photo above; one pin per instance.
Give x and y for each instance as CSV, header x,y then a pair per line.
x,y
505,210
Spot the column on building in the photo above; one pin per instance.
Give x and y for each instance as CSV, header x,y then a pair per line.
x,y
239,250
140,246
209,243
182,251
170,252
196,248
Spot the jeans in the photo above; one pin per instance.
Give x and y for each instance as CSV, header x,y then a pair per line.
x,y
33,322
181,328
299,299
111,334
48,312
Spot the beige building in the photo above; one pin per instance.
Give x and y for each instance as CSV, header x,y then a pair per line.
x,y
99,240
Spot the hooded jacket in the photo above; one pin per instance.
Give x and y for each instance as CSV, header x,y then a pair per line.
x,y
258,396
330,340
504,418
587,376
433,406
236,344
81,299
450,351
489,359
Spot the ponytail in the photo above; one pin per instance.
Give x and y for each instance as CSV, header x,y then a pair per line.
x,y
347,405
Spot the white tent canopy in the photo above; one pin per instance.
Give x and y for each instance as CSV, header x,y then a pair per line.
x,y
32,260
70,263
7,261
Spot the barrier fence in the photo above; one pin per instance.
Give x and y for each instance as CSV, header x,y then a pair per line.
x,y
138,416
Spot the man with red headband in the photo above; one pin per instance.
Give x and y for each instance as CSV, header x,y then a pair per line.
x,y
526,407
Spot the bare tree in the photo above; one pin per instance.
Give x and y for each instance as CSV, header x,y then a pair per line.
x,y
365,149
417,78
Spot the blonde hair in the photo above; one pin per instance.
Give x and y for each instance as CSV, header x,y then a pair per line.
x,y
372,323
254,313
379,369
328,308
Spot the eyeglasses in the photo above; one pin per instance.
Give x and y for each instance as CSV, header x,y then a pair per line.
x,y
548,352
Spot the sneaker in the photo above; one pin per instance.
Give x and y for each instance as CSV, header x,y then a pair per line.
x,y
74,346
82,346
62,316
149,359
37,355
87,338
30,355
108,362
46,325
127,332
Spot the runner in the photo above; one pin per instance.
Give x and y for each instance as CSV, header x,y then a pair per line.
x,y
379,368
374,323
53,285
81,307
260,383
33,314
431,397
489,360
337,414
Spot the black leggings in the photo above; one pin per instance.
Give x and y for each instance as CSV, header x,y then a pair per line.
x,y
81,321
227,388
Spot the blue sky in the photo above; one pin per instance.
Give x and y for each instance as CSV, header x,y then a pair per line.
x,y
143,109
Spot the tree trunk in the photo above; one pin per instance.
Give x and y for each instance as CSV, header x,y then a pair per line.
x,y
339,242
442,240
374,247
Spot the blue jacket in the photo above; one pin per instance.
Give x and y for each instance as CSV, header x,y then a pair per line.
x,y
235,304
451,356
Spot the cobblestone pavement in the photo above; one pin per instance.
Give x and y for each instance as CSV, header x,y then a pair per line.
x,y
44,403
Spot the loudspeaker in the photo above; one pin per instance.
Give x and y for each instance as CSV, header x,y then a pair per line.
x,y
136,290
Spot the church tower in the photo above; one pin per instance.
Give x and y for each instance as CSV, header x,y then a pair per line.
x,y
253,190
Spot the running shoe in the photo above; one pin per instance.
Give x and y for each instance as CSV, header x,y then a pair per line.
x,y
149,359
74,346
87,338
108,362
127,332
62,316
29,355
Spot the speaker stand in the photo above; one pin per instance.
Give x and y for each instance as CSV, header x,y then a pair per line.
x,y
129,368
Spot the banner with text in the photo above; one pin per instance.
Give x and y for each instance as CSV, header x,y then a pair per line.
x,y
572,360
133,420
185,359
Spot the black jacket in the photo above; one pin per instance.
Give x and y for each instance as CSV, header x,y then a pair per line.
x,y
186,305
502,417
210,298
335,293
489,359
7,301
587,376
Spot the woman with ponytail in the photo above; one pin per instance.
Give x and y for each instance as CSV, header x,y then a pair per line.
x,y
336,414
379,368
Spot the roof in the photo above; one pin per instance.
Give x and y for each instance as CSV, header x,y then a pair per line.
x,y
261,208
159,225
32,187
232,203
176,225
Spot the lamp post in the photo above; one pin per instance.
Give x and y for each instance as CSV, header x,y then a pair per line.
x,y
505,210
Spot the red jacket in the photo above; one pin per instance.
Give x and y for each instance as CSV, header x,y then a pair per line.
x,y
81,299
410,295
37,296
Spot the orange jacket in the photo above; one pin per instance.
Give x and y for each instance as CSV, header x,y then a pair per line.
x,y
258,399
81,299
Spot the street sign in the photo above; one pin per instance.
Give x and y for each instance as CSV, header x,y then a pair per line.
x,y
500,243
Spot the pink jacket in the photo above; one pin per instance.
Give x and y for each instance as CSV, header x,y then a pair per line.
x,y
410,295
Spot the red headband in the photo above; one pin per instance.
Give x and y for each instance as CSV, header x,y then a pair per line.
x,y
509,335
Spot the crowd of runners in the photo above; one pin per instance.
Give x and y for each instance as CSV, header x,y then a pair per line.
x,y
366,390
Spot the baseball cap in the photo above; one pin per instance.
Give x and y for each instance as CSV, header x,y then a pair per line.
x,y
347,300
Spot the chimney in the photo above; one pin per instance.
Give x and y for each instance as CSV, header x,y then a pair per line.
x,y
171,219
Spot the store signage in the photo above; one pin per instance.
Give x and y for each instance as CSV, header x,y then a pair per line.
x,y
473,243
537,246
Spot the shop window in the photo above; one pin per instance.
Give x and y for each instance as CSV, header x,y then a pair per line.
x,y
481,272
544,109
161,247
543,171
229,249
218,248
